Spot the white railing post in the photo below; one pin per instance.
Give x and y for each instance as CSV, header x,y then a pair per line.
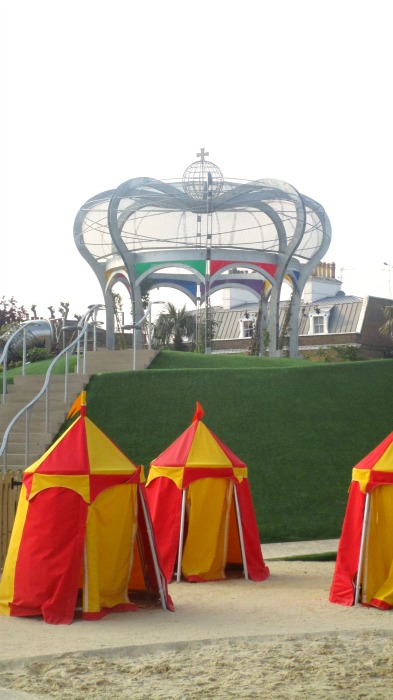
x,y
78,349
4,379
27,437
84,351
66,369
24,352
82,333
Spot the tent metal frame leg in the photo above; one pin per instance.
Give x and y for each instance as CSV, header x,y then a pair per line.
x,y
241,538
366,518
181,536
157,569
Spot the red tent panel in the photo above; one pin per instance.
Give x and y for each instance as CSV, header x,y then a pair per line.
x,y
48,568
342,589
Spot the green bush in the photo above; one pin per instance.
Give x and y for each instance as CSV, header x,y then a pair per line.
x,y
338,353
38,354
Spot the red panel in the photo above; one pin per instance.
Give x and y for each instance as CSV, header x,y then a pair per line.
x,y
257,569
100,482
216,265
372,458
342,588
378,478
70,456
176,454
50,556
194,473
380,604
164,499
122,607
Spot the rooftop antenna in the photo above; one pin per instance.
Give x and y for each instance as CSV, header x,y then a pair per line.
x,y
390,268
344,269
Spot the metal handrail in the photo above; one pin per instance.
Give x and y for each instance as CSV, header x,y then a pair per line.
x,y
4,355
83,327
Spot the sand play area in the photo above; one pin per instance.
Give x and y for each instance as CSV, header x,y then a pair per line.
x,y
234,639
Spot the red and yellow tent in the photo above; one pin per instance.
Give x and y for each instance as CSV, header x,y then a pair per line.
x,y
82,541
364,565
202,510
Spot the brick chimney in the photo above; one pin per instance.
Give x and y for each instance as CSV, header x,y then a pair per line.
x,y
321,283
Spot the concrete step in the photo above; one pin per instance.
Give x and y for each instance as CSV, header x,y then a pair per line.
x,y
56,389
23,399
36,437
11,409
14,446
118,360
36,426
15,461
21,393
35,379
25,388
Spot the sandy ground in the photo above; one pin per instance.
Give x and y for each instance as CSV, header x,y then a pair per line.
x,y
234,639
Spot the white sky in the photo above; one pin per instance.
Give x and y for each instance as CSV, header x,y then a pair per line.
x,y
95,92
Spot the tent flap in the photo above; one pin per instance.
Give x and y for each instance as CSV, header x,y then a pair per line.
x,y
373,475
48,567
78,540
211,472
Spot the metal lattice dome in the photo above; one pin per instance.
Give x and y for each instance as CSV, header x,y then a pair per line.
x,y
202,234
197,176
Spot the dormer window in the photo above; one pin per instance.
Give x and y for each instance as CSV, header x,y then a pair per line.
x,y
319,324
319,321
247,325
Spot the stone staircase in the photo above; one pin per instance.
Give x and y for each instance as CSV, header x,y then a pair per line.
x,y
24,389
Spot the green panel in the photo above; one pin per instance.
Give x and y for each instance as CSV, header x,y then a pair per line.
x,y
199,265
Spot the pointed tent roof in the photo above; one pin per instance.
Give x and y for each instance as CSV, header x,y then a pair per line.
x,y
197,454
83,459
376,468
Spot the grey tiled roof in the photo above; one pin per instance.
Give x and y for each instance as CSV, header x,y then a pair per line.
x,y
345,316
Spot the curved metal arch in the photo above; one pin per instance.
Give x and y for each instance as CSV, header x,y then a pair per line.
x,y
98,267
160,266
178,287
225,202
305,271
282,268
256,196
116,278
262,273
232,285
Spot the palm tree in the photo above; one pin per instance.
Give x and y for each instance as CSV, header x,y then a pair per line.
x,y
174,325
387,327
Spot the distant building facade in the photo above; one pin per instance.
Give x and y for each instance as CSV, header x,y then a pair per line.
x,y
328,319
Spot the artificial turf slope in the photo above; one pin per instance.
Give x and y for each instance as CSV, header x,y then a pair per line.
x,y
299,427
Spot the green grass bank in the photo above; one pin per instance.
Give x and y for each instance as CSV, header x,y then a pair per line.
x,y
299,426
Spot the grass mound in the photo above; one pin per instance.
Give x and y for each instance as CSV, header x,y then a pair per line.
x,y
300,428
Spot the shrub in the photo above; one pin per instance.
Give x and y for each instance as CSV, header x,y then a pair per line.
x,y
37,354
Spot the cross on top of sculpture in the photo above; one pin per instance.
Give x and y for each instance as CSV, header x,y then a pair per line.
x,y
195,177
202,154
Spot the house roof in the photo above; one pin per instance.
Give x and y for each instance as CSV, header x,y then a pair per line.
x,y
345,316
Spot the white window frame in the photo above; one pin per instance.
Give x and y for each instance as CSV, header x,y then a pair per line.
x,y
247,326
318,315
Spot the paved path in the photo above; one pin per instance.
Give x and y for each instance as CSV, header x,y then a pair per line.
x,y
31,637
290,549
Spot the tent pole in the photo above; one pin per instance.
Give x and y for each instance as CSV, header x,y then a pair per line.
x,y
181,536
362,546
240,528
149,530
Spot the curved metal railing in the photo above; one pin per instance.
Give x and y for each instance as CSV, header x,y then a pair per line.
x,y
88,321
22,330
